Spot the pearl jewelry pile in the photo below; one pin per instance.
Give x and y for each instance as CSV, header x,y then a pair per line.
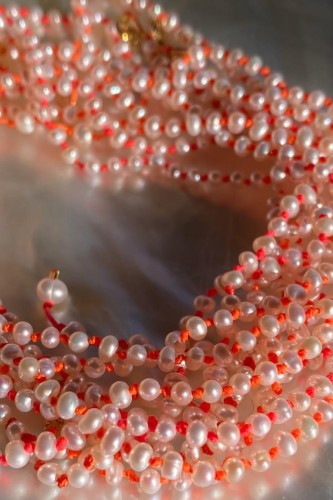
x,y
250,373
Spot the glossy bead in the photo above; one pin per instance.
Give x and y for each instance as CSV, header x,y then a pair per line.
x,y
67,404
197,328
181,393
46,446
203,474
149,389
150,481
15,454
234,469
78,477
228,434
22,333
172,465
78,342
52,290
139,456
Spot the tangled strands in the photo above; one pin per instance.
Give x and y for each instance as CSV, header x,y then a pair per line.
x,y
250,373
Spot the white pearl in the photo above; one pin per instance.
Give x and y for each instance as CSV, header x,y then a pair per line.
x,y
150,481
78,477
149,389
203,474
267,372
172,465
181,393
108,348
240,383
28,369
309,427
229,434
120,395
197,328
112,440
15,454
139,456
75,439
49,473
212,391
234,469
22,333
50,337
46,446
286,443
260,424
260,460
196,434
91,421
67,404
24,400
78,342
6,384
24,122
52,290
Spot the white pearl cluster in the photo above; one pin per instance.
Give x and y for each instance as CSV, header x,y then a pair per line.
x,y
257,353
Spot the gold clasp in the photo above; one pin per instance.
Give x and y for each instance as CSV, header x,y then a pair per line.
x,y
54,274
132,33
129,30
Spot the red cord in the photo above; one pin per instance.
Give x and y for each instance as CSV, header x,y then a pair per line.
x,y
47,306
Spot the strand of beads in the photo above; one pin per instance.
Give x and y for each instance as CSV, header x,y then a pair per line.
x,y
73,106
248,357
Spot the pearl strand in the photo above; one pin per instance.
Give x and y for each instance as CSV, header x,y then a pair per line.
x,y
252,349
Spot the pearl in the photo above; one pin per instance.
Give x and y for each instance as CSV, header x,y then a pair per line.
x,y
120,395
172,465
48,473
52,290
139,456
50,337
197,328
203,474
267,372
22,333
78,477
67,404
78,342
112,440
28,369
181,393
46,446
149,389
150,481
91,421
260,460
108,348
234,469
15,455
286,443
6,384
24,122
228,434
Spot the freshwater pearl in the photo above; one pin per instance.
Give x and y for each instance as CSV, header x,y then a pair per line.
x,y
78,342
46,446
203,474
52,290
15,455
22,333
150,481
67,404
78,477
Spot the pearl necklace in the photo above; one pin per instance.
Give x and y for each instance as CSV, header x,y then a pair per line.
x,y
257,352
